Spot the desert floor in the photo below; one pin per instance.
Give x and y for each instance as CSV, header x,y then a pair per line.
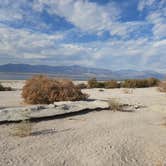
x,y
98,138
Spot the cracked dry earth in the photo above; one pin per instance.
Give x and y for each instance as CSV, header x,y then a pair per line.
x,y
102,138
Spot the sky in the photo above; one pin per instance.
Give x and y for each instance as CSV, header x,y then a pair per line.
x,y
110,34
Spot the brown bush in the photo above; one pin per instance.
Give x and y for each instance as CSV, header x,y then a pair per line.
x,y
82,86
153,82
112,84
162,86
140,83
43,90
92,83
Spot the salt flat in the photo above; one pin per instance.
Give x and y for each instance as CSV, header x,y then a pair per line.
x,y
94,139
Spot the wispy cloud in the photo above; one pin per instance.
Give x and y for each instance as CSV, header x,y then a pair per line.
x,y
52,31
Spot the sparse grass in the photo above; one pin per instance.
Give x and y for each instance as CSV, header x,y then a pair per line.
x,y
130,83
112,84
43,90
128,91
115,105
82,86
162,86
140,83
93,83
22,129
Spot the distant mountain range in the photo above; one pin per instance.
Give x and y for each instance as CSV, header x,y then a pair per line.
x,y
76,72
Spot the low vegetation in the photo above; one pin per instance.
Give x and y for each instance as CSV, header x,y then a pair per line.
x,y
112,84
22,129
115,105
140,83
130,83
2,88
43,90
127,91
162,86
82,86
93,83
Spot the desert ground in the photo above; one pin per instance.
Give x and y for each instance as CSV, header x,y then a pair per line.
x,y
98,138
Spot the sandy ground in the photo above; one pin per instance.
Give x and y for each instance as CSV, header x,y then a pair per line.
x,y
102,138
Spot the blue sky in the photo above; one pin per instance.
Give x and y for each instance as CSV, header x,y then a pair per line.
x,y
112,34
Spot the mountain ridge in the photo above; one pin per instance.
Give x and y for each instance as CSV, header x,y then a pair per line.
x,y
76,71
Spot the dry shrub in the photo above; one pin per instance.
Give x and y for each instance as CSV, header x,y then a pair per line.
x,y
92,83
140,83
112,84
22,129
162,86
153,82
82,86
115,105
43,90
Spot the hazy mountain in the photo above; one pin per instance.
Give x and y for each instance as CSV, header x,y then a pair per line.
x,y
77,72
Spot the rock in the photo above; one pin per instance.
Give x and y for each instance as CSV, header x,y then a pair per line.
x,y
41,111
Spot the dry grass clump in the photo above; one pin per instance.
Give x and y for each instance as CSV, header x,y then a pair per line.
x,y
2,88
93,83
128,91
112,84
43,90
22,129
162,86
140,83
130,83
82,86
115,105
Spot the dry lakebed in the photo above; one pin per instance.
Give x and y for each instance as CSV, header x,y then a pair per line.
x,y
92,135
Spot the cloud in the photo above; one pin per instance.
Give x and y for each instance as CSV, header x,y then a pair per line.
x,y
22,43
145,3
137,44
156,15
38,48
157,19
85,15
